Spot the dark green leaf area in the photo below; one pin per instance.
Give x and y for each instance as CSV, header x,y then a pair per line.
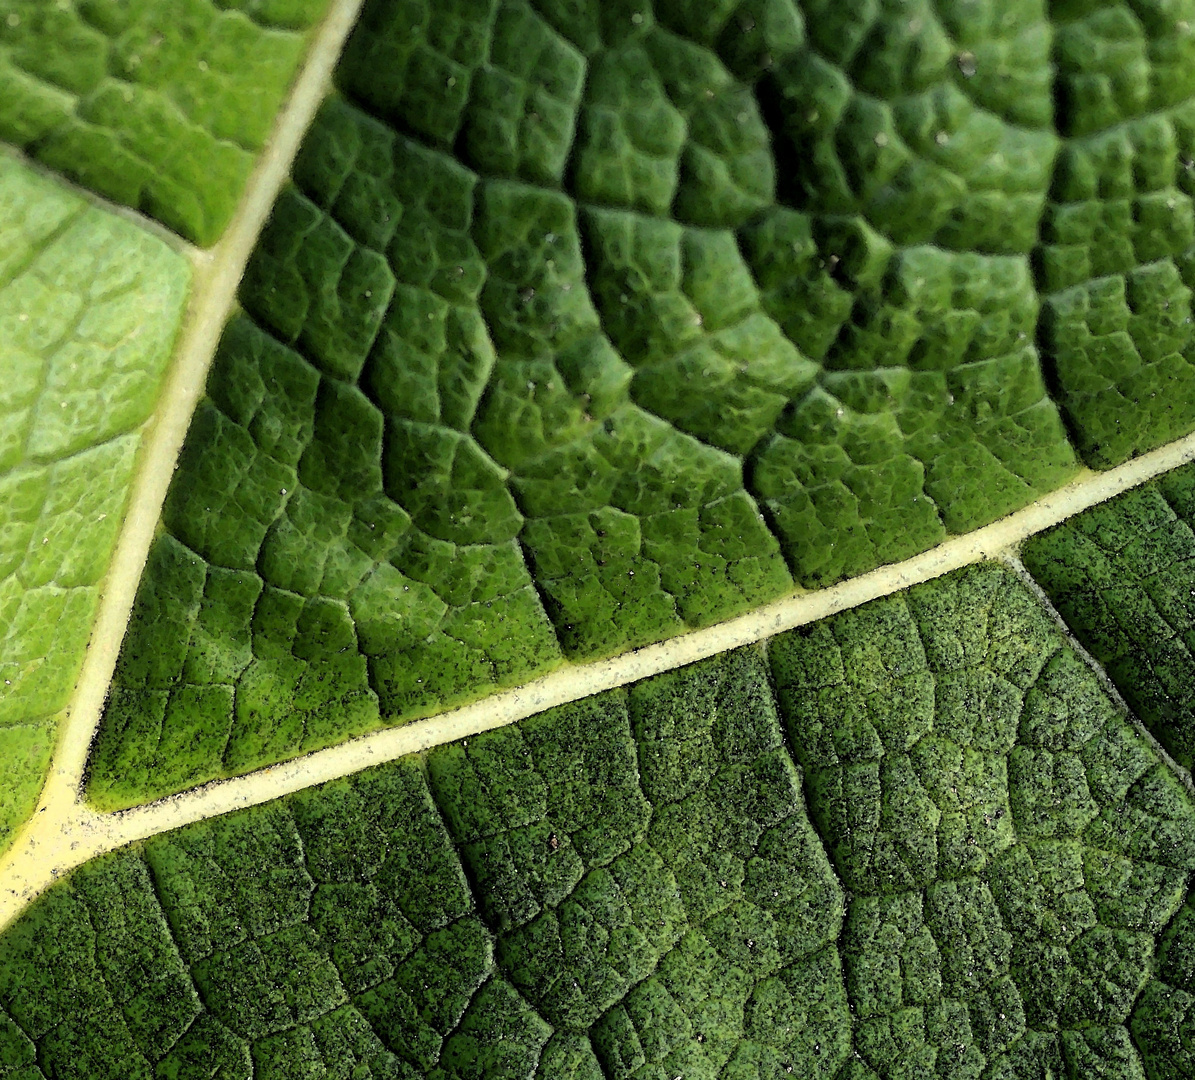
x,y
292,941
546,356
1012,847
648,914
1062,133
159,105
953,429
937,128
916,839
518,904
1119,231
1121,576
863,186
583,325
1164,1013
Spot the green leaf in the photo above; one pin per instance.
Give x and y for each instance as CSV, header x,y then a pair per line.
x,y
89,308
917,835
161,105
610,328
622,330
1121,575
581,325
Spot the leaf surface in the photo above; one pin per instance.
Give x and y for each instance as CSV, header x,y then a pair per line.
x,y
579,326
89,309
914,839
576,331
161,105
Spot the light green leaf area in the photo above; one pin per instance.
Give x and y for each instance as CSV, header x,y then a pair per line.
x,y
914,840
161,105
583,325
89,308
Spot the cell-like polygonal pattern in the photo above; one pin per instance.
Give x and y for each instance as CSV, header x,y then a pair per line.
x,y
255,945
916,145
933,123
161,105
605,323
1012,846
89,308
622,887
360,530
656,910
1161,1022
293,602
879,462
738,288
1059,132
916,839
1118,236
1121,576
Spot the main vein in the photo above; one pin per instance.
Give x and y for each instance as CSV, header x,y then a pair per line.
x,y
64,833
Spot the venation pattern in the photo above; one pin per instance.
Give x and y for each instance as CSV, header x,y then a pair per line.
x,y
89,308
161,105
582,325
1123,577
936,848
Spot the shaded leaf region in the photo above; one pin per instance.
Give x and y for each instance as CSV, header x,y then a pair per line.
x,y
1121,576
916,839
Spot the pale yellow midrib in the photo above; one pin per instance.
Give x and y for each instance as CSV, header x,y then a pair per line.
x,y
42,844
66,833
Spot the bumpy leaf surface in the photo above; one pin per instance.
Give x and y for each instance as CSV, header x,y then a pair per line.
x,y
158,104
89,308
583,324
1122,577
936,848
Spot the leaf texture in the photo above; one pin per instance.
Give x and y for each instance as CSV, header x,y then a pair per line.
x,y
916,839
580,328
89,308
581,325
1120,575
161,105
